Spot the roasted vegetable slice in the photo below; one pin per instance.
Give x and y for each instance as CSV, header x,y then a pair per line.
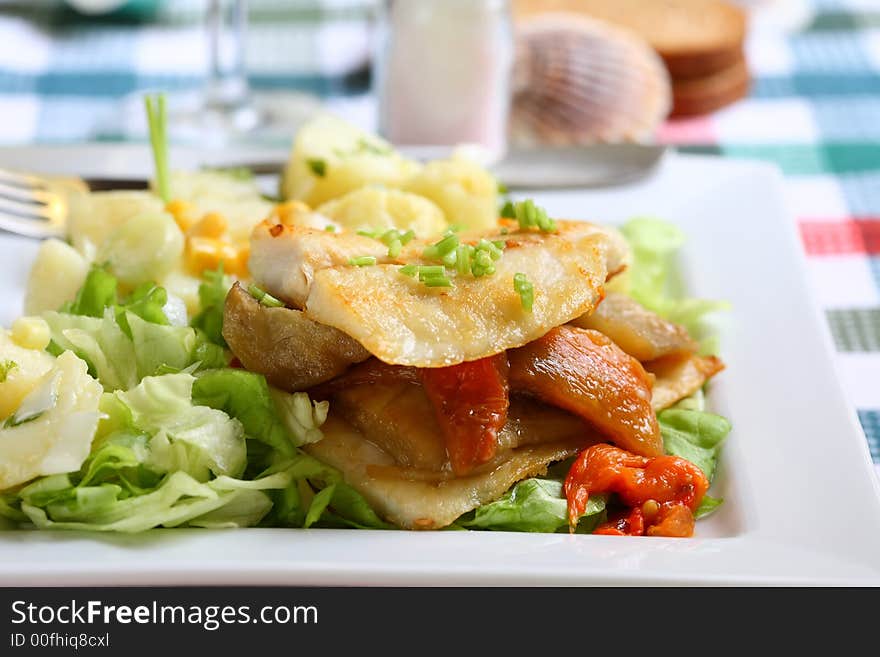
x,y
292,351
585,373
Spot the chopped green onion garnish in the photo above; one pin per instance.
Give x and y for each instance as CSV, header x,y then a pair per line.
x,y
363,261
525,290
409,270
156,120
395,248
463,258
504,230
437,281
530,215
447,244
502,188
318,167
490,248
430,275
508,211
407,237
264,297
5,367
330,228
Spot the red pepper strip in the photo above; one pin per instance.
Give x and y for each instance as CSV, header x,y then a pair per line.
x,y
670,485
470,402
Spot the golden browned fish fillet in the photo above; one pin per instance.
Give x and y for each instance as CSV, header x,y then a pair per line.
x,y
642,334
398,417
401,321
426,499
680,376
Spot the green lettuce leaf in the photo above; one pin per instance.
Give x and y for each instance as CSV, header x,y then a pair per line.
x,y
694,435
120,361
185,437
533,505
98,291
707,506
244,396
278,419
651,278
179,499
212,297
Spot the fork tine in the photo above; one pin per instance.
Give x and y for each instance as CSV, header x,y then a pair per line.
x,y
20,179
29,227
25,210
25,195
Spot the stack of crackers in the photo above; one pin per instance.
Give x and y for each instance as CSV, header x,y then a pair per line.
x,y
700,42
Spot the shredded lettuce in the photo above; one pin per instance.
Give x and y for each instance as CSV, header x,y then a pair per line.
x,y
533,505
694,435
212,297
184,437
651,278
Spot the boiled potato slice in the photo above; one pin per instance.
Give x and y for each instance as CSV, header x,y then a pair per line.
x,y
56,275
331,158
95,215
56,436
464,190
20,370
145,248
378,207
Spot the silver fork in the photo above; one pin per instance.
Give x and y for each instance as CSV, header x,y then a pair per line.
x,y
31,205
37,206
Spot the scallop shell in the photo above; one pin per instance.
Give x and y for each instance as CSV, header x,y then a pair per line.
x,y
578,80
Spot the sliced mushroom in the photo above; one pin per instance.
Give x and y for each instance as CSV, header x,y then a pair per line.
x,y
292,351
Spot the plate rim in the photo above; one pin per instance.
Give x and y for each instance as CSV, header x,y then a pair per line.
x,y
41,574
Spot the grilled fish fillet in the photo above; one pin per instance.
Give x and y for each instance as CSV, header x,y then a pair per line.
x,y
677,377
398,417
401,321
639,332
418,499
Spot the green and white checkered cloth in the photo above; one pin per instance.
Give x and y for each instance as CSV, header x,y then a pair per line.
x,y
813,110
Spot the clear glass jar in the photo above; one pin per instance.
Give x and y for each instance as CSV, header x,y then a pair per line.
x,y
442,70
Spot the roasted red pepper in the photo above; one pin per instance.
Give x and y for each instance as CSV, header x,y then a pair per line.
x,y
470,402
662,491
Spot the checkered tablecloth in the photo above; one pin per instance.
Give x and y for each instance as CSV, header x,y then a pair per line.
x,y
814,110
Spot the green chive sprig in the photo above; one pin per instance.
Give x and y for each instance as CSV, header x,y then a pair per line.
x,y
156,120
430,275
317,166
392,238
525,290
264,297
529,215
6,366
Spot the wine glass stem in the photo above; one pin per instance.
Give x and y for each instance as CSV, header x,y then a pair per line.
x,y
227,87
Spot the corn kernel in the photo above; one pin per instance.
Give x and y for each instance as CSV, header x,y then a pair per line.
x,y
241,262
213,224
183,213
201,254
288,211
31,333
205,253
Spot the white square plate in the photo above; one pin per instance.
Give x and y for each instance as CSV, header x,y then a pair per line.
x,y
802,502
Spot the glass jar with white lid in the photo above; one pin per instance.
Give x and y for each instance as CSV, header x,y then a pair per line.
x,y
443,71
